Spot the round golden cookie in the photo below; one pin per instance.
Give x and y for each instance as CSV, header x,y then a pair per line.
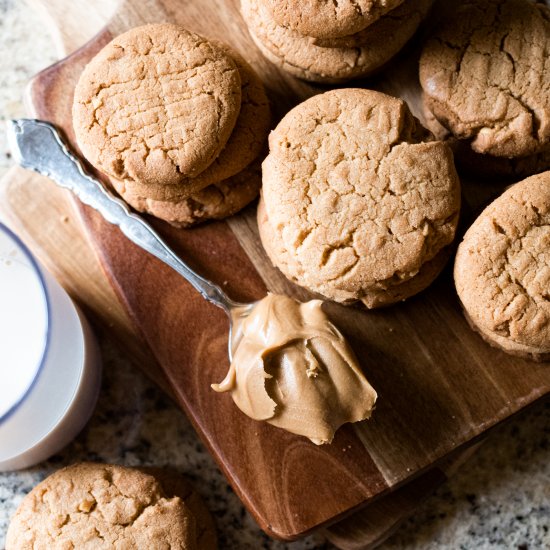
x,y
502,269
327,19
303,57
243,146
485,76
156,106
357,200
383,294
103,506
217,201
487,166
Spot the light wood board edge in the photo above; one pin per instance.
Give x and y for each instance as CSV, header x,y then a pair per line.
x,y
72,24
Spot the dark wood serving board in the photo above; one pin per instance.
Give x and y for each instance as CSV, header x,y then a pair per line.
x,y
440,386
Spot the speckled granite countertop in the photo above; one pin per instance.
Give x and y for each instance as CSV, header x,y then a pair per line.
x,y
499,499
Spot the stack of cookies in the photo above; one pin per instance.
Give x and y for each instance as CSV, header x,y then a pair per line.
x,y
359,203
486,88
332,42
175,120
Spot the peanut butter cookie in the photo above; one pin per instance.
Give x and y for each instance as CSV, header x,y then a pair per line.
x,y
217,201
104,506
350,57
243,146
323,19
485,76
357,201
156,106
502,270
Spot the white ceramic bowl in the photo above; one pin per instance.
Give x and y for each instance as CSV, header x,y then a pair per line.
x,y
50,365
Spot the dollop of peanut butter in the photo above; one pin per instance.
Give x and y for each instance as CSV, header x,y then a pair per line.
x,y
293,368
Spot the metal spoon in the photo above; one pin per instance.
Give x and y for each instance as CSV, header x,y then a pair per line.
x,y
37,145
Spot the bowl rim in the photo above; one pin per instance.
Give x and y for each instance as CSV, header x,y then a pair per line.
x,y
47,301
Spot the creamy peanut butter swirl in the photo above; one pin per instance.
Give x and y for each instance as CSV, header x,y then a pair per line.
x,y
292,368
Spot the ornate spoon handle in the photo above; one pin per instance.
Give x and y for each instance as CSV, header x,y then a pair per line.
x,y
38,146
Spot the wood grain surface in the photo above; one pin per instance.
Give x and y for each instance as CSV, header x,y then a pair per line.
x,y
440,386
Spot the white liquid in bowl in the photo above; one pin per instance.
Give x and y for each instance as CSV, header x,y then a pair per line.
x,y
23,324
50,367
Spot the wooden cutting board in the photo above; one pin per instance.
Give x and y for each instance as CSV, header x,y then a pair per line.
x,y
44,215
440,386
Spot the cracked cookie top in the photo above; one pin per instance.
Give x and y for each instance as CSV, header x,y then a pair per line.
x,y
103,506
357,196
502,267
156,105
243,146
327,18
485,76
